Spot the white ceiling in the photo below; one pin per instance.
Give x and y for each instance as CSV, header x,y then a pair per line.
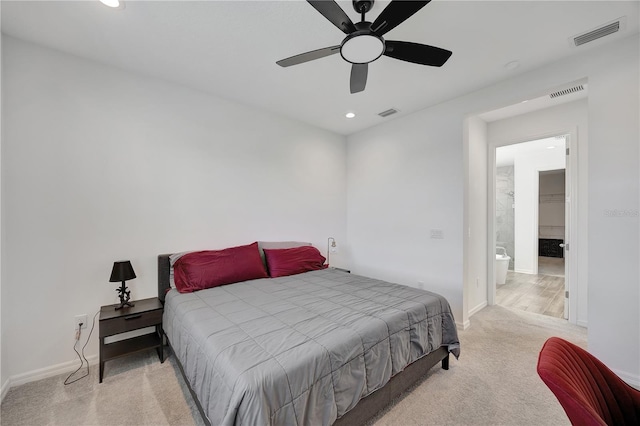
x,y
505,155
229,48
535,104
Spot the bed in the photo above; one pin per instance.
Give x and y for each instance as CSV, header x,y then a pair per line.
x,y
320,347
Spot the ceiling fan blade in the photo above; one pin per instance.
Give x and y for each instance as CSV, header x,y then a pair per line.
x,y
395,14
417,53
359,77
308,56
334,13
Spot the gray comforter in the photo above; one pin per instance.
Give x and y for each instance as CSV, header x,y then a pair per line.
x,y
303,349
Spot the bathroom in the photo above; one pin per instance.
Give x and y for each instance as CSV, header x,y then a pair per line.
x,y
530,194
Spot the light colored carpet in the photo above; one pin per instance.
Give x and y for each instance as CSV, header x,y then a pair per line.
x,y
136,390
493,383
495,380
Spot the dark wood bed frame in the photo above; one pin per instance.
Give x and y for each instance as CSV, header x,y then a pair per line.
x,y
368,406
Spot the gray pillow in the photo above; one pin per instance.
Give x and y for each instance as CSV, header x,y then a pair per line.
x,y
172,260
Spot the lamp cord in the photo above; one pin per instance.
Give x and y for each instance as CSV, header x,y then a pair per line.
x,y
82,358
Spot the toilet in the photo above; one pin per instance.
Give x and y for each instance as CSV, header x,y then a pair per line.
x,y
502,265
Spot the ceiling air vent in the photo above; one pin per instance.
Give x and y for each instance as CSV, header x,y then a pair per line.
x,y
574,89
388,112
605,30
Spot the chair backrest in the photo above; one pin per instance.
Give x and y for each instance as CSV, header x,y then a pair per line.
x,y
589,392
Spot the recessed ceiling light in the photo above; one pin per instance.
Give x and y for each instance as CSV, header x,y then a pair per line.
x,y
551,147
350,115
115,4
512,65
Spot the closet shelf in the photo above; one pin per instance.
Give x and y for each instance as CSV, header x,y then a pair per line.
x,y
552,198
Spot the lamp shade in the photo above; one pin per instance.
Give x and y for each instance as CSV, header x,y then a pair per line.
x,y
122,271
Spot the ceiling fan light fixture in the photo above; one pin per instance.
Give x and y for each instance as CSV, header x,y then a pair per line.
x,y
362,48
114,4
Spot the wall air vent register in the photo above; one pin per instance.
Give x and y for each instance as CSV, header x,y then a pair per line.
x,y
605,30
388,112
574,89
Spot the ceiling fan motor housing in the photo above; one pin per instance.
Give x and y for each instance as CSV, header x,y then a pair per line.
x,y
363,45
362,6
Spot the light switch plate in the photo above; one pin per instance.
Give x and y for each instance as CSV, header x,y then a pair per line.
x,y
437,234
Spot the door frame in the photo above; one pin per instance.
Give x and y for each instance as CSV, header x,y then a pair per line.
x,y
571,255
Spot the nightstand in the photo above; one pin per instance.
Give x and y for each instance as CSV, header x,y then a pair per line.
x,y
145,313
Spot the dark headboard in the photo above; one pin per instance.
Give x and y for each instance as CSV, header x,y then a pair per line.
x,y
164,267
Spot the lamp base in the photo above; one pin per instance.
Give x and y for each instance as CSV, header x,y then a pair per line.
x,y
124,294
124,304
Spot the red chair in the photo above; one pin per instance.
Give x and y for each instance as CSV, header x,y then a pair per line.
x,y
589,392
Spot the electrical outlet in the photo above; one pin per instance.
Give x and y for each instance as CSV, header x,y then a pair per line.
x,y
81,319
421,285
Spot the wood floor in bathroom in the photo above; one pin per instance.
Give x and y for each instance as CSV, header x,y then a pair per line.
x,y
539,294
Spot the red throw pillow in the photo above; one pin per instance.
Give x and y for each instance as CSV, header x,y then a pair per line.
x,y
212,268
283,262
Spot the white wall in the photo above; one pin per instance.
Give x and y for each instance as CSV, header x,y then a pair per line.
x,y
100,165
476,219
4,379
614,180
571,118
406,177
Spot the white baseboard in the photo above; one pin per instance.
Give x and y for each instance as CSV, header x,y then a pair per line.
x,y
5,388
478,308
44,373
463,325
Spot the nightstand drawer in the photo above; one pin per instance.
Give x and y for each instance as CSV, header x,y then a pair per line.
x,y
130,322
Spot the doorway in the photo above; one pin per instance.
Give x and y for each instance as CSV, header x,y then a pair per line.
x,y
531,226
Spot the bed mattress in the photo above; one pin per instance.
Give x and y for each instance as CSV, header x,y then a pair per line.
x,y
301,349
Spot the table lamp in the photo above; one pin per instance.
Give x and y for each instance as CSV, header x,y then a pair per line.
x,y
122,271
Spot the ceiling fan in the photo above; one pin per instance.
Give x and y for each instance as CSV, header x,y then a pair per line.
x,y
364,42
